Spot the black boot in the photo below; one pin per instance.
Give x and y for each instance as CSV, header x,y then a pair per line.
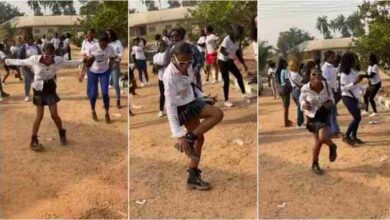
x,y
357,140
118,104
316,168
190,138
35,145
62,133
195,181
332,152
348,141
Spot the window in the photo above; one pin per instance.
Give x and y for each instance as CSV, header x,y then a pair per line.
x,y
50,31
152,29
142,30
37,31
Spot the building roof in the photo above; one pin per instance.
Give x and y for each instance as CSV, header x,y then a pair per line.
x,y
163,15
312,45
52,20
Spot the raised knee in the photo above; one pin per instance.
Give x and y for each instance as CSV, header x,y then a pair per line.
x,y
219,115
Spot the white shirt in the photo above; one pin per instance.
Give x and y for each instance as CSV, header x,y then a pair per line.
x,y
167,41
44,41
14,50
41,71
178,92
102,58
118,49
56,42
66,42
270,71
230,47
86,45
138,51
376,79
347,85
201,40
158,59
211,43
315,99
330,74
295,79
31,50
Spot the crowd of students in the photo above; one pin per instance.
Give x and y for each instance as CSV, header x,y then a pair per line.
x,y
39,62
179,64
317,89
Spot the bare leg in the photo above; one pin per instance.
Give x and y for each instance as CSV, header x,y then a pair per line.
x,y
323,137
190,126
54,115
207,69
38,119
216,70
317,147
212,116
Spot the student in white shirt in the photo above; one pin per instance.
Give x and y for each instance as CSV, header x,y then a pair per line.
x,y
186,106
350,92
330,75
101,58
316,99
11,51
158,62
44,40
66,45
296,83
211,53
201,44
27,50
374,84
230,50
138,53
45,68
116,44
56,41
88,42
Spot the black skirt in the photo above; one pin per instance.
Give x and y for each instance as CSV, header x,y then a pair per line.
x,y
190,110
48,95
319,121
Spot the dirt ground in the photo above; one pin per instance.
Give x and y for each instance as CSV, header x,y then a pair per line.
x,y
355,186
158,172
86,179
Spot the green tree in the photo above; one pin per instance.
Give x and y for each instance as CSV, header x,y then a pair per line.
x,y
34,5
150,5
8,11
291,38
173,3
57,7
323,26
89,7
333,27
264,54
186,3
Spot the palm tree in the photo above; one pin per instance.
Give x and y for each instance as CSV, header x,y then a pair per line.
x,y
264,54
341,25
323,26
333,26
34,5
355,25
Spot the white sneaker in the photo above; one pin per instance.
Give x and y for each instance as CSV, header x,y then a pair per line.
x,y
300,127
228,104
142,85
364,113
160,114
214,81
27,99
85,76
110,87
373,115
1,99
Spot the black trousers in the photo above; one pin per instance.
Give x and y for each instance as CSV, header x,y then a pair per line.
x,y
369,95
229,66
162,96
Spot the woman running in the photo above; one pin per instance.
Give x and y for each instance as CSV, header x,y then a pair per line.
x,y
138,53
116,44
229,51
374,84
316,99
186,106
101,57
45,68
158,62
350,91
284,89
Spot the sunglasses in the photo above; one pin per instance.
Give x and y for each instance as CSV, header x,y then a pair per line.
x,y
183,63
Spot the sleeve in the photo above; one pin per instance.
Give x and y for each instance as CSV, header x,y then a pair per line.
x,y
120,49
172,114
303,96
112,53
345,84
2,55
69,63
326,73
20,62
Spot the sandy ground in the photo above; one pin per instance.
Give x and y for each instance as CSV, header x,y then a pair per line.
x,y
158,172
86,179
355,186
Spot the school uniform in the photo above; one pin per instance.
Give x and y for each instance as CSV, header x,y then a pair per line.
x,y
56,43
183,98
226,64
44,85
67,49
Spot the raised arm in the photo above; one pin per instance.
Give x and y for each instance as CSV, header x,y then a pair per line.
x,y
70,63
20,62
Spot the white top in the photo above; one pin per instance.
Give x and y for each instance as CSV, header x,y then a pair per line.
x,y
315,99
66,42
158,59
347,85
270,71
2,55
166,39
201,40
295,79
230,47
178,92
44,41
56,42
376,79
329,72
86,45
31,50
14,50
118,49
41,71
138,51
102,58
211,43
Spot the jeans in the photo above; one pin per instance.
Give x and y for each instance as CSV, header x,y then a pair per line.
x,y
141,66
92,85
115,78
228,66
352,105
296,92
28,75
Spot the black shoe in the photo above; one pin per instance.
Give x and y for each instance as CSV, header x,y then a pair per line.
x,y
332,152
35,145
358,141
94,116
4,94
63,137
118,104
108,119
348,141
195,181
316,168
